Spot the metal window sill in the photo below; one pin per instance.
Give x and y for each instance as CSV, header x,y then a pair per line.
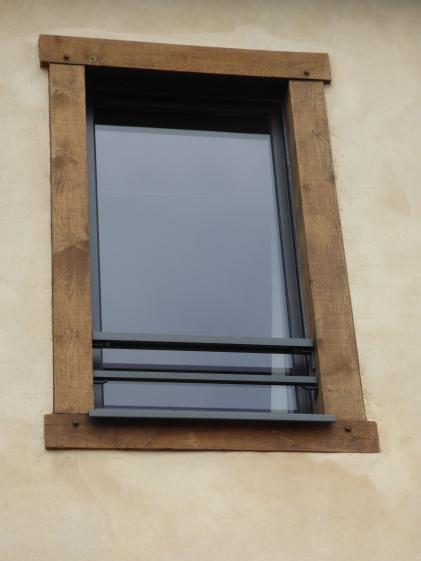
x,y
200,414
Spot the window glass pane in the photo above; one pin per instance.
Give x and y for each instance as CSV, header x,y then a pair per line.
x,y
189,245
198,361
189,233
216,397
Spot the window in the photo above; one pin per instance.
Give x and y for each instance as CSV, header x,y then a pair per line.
x,y
190,208
184,272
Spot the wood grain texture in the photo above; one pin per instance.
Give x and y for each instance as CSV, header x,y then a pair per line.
x,y
80,432
183,58
322,259
72,331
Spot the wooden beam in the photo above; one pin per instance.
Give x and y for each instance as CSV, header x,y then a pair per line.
x,y
69,223
81,432
183,58
323,269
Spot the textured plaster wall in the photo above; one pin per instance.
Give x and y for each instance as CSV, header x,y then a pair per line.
x,y
127,506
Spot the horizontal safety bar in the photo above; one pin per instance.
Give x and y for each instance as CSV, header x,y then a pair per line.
x,y
214,344
274,379
145,413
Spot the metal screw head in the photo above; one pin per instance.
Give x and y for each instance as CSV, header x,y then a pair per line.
x,y
92,58
348,428
75,423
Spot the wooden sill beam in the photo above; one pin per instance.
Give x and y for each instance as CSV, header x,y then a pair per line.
x,y
78,431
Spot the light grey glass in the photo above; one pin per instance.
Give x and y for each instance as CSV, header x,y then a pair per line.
x,y
197,361
189,235
189,244
215,397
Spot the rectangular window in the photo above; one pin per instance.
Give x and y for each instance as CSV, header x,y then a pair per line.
x,y
191,218
198,268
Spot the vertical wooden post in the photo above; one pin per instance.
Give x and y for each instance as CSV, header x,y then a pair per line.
x,y
72,332
323,269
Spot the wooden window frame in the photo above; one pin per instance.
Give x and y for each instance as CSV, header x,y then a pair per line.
x,y
322,262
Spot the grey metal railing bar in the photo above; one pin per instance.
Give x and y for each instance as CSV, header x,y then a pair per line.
x,y
274,379
103,340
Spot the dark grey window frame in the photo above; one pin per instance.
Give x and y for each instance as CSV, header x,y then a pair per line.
x,y
305,384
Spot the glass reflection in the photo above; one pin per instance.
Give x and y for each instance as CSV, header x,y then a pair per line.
x,y
189,234
215,397
189,245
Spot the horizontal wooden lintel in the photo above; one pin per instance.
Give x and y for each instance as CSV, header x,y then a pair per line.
x,y
78,431
183,58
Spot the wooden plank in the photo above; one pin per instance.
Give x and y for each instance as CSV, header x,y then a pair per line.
x,y
323,269
80,432
73,378
183,58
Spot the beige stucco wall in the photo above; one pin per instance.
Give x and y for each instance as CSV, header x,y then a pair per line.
x,y
109,506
